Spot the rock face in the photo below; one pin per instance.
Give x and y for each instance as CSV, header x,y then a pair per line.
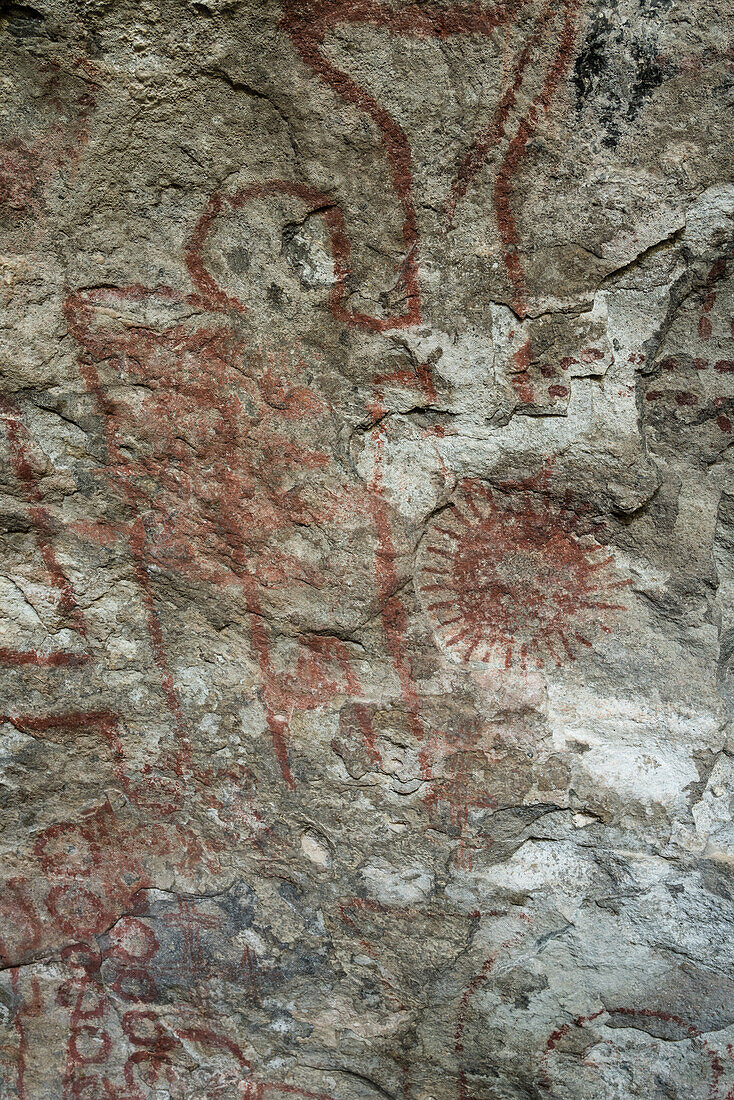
x,y
367,554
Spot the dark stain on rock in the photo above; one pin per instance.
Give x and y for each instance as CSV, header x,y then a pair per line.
x,y
22,21
615,72
238,260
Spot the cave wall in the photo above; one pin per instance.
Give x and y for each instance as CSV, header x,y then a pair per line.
x,y
367,550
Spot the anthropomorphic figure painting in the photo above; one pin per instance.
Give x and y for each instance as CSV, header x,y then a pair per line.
x,y
366,551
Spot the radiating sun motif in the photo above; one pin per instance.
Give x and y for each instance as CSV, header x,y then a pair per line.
x,y
509,576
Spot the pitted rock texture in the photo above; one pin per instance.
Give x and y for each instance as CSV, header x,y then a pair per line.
x,y
367,550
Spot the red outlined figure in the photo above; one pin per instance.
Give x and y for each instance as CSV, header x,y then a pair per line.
x,y
89,1044
599,1050
393,613
307,23
159,1044
87,872
513,578
23,1010
21,460
222,203
132,945
212,466
199,514
158,1054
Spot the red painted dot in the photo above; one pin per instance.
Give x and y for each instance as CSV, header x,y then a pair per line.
x,y
724,423
558,391
685,398
705,328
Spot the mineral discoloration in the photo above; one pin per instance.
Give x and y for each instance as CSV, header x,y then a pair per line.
x,y
367,551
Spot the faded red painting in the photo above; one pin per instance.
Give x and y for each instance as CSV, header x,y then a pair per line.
x,y
535,74
620,1049
31,158
208,449
515,578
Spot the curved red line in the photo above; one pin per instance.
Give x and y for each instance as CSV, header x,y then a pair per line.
x,y
339,241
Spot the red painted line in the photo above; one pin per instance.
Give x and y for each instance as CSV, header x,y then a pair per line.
x,y
44,530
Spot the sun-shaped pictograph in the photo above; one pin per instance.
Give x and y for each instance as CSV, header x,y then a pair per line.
x,y
511,576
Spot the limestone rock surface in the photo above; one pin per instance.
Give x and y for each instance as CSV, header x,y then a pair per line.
x,y
366,550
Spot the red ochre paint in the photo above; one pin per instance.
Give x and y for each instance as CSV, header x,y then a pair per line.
x,y
479,980
307,24
27,167
510,577
685,1031
205,477
222,203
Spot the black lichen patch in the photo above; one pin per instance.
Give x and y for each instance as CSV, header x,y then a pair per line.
x,y
616,71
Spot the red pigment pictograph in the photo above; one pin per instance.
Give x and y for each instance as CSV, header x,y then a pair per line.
x,y
26,1009
553,384
89,1043
691,389
198,512
87,872
392,610
165,786
222,203
599,1051
455,768
307,22
157,1045
131,962
79,895
511,576
212,465
112,961
475,984
28,166
94,1067
25,471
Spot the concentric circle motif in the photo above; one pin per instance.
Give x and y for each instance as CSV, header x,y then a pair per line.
x,y
510,577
